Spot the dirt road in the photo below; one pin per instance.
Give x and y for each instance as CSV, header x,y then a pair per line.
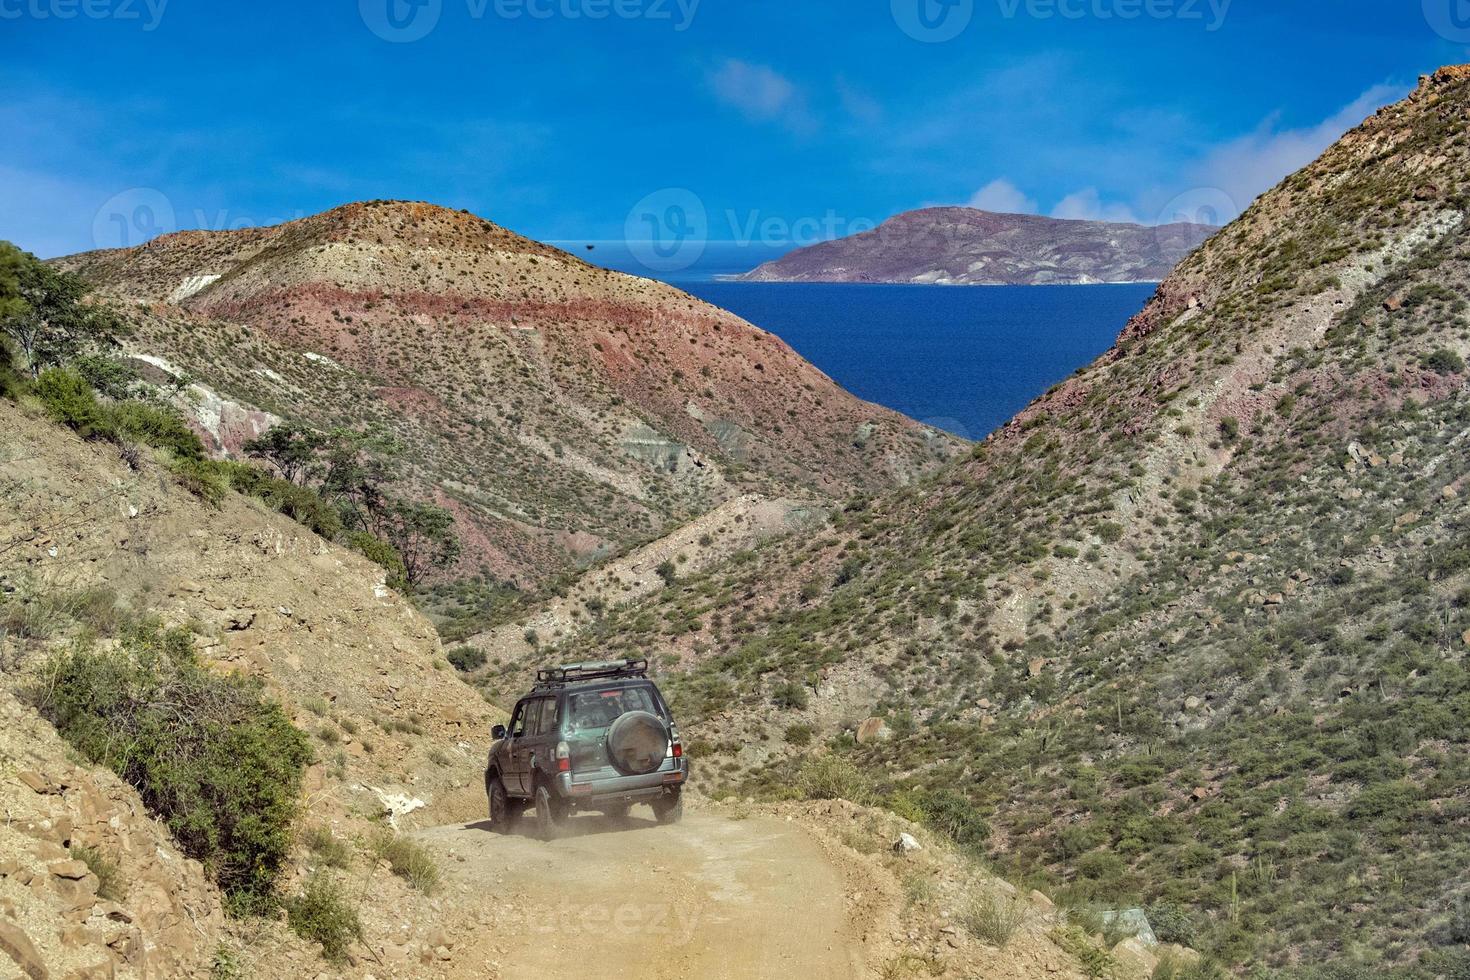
x,y
712,897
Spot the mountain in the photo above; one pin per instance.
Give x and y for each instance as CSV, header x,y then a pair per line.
x,y
1191,632
562,412
967,247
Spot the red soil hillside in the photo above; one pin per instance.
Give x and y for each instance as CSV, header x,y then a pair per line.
x,y
561,410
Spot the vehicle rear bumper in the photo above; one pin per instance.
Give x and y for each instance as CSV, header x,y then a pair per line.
x,y
599,790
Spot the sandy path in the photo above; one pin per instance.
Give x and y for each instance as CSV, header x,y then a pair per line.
x,y
710,898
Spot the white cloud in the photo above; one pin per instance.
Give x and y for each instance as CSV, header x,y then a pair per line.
x,y
860,106
761,94
1246,167
1002,196
1088,205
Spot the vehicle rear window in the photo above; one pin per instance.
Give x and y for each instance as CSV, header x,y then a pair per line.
x,y
598,709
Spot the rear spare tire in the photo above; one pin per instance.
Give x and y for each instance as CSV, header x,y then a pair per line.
x,y
637,743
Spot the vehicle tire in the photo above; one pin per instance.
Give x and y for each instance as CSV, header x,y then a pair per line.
x,y
637,743
550,814
669,808
504,814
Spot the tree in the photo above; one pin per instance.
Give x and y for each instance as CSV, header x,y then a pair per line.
x,y
291,450
423,535
44,315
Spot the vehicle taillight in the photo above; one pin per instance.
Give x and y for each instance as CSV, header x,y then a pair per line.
x,y
563,757
676,747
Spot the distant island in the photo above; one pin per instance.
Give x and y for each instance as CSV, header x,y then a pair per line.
x,y
969,247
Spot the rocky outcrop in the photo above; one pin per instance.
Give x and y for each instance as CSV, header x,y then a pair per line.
x,y
966,247
155,916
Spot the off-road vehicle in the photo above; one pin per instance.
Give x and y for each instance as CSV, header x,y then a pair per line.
x,y
592,736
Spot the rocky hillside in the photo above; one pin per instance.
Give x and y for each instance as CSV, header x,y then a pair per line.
x,y
562,412
967,247
1191,632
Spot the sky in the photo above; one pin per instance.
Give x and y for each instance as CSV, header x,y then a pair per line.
x,y
765,121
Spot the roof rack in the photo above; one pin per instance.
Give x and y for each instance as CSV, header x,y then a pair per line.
x,y
576,673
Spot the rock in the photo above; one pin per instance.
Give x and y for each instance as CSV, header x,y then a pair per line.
x,y
36,781
237,620
1135,961
1040,901
1192,703
1449,492
873,730
1394,303
1035,667
906,844
1426,192
18,946
1200,793
72,870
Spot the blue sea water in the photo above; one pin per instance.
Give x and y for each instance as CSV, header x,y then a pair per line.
x,y
960,358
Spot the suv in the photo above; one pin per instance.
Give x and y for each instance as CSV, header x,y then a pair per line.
x,y
593,736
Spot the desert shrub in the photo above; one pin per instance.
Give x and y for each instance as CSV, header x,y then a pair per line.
x,y
327,848
790,696
323,914
467,658
1110,531
799,734
409,860
156,425
111,884
833,778
951,814
993,918
68,399
1445,361
203,478
211,756
1174,923
1172,966
380,553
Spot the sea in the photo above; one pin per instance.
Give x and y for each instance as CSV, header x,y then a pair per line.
x,y
960,358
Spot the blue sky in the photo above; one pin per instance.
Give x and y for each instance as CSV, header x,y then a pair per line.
x,y
584,119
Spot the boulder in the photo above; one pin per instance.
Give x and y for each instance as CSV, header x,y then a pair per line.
x,y
1135,961
906,844
873,730
15,944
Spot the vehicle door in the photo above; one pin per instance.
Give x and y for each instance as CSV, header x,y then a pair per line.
x,y
541,743
516,753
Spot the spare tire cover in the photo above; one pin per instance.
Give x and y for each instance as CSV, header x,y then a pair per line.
x,y
637,743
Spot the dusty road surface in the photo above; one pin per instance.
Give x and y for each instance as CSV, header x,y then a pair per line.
x,y
712,897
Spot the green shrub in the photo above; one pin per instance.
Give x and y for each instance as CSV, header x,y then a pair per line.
x,y
215,760
1445,361
993,919
951,814
799,735
111,884
158,426
323,914
68,399
467,658
833,778
409,860
203,478
327,848
381,553
790,696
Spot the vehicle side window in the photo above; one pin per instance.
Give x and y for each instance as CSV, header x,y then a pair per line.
x,y
518,723
546,721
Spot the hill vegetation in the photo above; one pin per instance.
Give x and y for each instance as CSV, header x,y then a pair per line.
x,y
1191,632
